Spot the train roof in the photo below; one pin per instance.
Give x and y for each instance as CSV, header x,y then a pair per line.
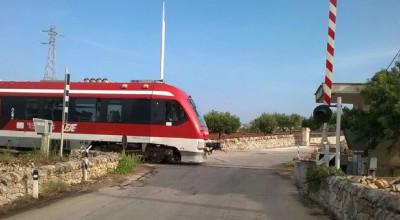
x,y
57,87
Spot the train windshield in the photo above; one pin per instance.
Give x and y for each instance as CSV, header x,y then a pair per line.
x,y
199,116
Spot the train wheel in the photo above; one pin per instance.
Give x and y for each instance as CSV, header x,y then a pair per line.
x,y
174,156
154,154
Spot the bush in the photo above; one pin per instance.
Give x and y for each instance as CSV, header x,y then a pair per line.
x,y
222,122
317,175
266,123
382,119
127,163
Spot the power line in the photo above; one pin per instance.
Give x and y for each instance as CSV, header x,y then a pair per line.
x,y
397,55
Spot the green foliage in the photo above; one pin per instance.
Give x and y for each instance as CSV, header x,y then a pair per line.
x,y
127,163
295,122
282,121
266,123
382,120
310,123
36,157
287,122
7,156
222,122
352,117
290,164
316,176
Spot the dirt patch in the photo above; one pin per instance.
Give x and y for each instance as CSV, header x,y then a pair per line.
x,y
90,186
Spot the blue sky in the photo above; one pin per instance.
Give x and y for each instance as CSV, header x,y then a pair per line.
x,y
241,56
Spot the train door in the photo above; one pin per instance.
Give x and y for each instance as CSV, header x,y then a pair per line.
x,y
135,117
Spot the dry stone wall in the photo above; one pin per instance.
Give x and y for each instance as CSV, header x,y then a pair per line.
x,y
16,182
263,142
350,200
316,141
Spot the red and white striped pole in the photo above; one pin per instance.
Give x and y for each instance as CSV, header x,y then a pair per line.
x,y
330,52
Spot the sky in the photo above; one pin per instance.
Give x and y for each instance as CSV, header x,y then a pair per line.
x,y
242,56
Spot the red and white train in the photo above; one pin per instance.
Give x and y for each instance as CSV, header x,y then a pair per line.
x,y
158,119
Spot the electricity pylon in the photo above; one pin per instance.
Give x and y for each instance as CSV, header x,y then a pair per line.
x,y
50,71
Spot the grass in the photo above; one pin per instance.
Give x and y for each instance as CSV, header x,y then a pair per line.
x,y
57,186
289,165
6,156
36,157
127,164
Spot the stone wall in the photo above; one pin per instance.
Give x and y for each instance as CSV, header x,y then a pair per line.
x,y
263,142
16,181
349,200
316,141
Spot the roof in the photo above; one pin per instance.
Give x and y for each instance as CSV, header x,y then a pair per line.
x,y
349,92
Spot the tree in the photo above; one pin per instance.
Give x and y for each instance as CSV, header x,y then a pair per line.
x,y
222,122
266,123
282,121
382,120
294,122
309,123
287,122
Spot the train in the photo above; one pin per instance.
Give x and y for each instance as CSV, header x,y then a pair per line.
x,y
157,119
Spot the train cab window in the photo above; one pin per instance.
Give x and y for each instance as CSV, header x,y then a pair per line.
x,y
167,111
195,109
174,112
114,111
52,109
32,108
86,110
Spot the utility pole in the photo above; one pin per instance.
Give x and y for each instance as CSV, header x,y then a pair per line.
x,y
162,43
50,71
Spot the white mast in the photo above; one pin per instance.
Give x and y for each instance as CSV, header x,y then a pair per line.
x,y
162,43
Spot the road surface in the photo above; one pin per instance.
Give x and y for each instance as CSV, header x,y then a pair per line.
x,y
230,186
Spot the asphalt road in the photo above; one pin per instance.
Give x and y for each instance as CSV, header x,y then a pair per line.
x,y
230,186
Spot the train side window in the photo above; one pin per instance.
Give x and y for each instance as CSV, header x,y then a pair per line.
x,y
137,111
86,110
31,108
52,109
114,111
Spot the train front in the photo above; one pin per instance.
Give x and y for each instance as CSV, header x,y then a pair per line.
x,y
185,129
205,144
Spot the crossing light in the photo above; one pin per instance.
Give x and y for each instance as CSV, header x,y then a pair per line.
x,y
322,114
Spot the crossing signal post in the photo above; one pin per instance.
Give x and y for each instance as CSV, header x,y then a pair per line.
x,y
323,114
65,109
